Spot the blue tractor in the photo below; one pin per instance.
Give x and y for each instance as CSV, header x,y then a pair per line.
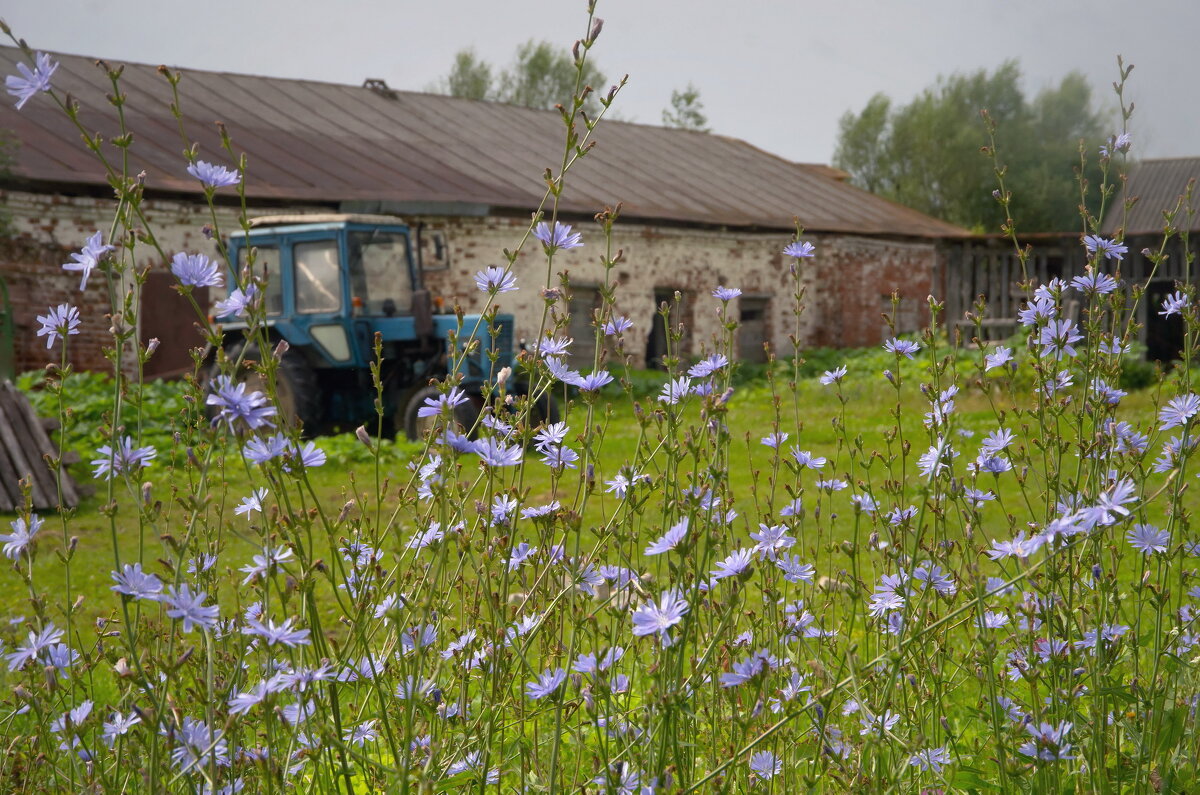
x,y
333,283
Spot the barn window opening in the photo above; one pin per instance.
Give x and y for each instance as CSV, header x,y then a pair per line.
x,y
752,332
583,305
656,343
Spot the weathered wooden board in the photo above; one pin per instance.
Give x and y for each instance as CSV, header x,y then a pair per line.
x,y
24,448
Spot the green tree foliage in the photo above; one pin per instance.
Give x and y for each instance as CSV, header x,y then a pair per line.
x,y
686,111
926,154
540,76
470,77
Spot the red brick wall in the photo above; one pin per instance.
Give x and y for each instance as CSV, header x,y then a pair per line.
x,y
36,282
847,284
855,278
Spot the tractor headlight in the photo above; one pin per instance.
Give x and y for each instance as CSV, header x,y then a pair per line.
x,y
333,339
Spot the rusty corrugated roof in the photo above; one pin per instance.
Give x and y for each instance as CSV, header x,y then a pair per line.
x,y
322,142
1158,184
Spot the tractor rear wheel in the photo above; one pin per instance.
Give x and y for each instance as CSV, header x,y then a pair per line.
x,y
296,388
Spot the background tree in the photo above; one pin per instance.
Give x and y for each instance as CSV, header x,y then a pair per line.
x,y
926,154
540,76
686,111
470,77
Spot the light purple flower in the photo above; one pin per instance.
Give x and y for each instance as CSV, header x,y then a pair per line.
x,y
998,358
252,503
1093,282
1178,411
618,325
593,381
805,458
1059,338
260,451
237,303
132,581
726,294
308,456
901,347
931,759
771,539
656,618
560,457
60,322
35,642
87,258
1048,742
497,454
794,570
670,539
361,734
434,406
1111,249
232,403
185,605
1148,539
212,175
22,534
284,634
118,726
706,367
733,565
31,81
196,270
495,280
1174,304
546,683
775,439
124,459
675,391
833,376
557,236
765,765
800,249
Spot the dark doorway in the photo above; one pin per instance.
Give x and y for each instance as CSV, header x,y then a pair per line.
x,y
1164,335
656,344
584,303
168,316
752,332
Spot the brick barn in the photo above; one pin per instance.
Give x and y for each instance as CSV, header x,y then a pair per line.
x,y
699,209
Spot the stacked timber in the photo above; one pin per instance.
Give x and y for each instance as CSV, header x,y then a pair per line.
x,y
25,454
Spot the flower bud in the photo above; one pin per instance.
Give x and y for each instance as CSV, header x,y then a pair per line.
x,y
363,436
281,349
503,376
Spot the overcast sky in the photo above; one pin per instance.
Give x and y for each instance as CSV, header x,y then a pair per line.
x,y
777,74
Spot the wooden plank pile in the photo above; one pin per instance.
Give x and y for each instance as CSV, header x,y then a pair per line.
x,y
24,446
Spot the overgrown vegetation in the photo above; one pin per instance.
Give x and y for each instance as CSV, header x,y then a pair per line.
x,y
909,574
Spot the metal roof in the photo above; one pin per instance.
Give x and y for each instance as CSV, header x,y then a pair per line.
x,y
308,141
1158,184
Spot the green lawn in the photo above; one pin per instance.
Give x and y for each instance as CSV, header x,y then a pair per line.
x,y
812,408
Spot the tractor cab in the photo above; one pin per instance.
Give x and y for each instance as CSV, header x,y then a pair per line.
x,y
333,282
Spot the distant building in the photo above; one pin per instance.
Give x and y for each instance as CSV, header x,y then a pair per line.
x,y
699,209
988,266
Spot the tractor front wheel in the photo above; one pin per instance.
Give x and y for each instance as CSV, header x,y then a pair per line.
x,y
296,388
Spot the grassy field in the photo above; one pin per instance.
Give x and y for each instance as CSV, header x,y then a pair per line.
x,y
351,473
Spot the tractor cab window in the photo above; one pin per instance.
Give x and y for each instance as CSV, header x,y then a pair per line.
x,y
315,271
379,272
266,260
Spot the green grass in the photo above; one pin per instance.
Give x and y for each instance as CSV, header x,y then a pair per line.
x,y
350,473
